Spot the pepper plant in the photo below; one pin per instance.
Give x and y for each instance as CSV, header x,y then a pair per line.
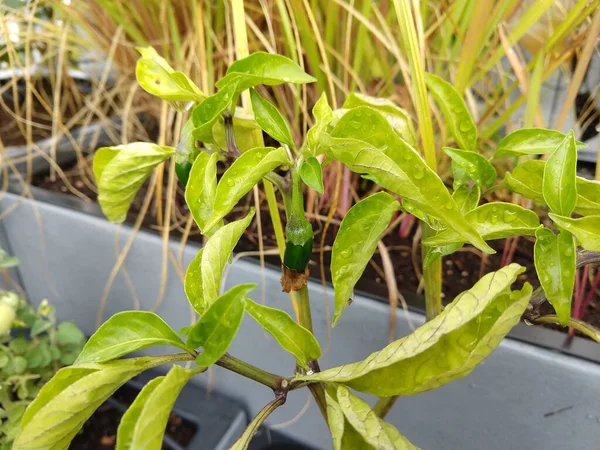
x,y
374,138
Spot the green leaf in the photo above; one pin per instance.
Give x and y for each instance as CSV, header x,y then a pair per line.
x,y
356,242
69,333
555,263
217,252
444,349
40,326
323,116
19,364
364,420
585,229
397,117
494,220
560,174
158,78
244,130
218,326
70,398
311,173
127,332
531,141
264,68
292,337
588,197
38,356
466,198
455,111
120,172
7,261
241,176
201,188
206,114
192,283
366,144
469,165
271,120
143,425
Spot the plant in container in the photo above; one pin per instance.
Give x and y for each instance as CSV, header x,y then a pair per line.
x,y
361,136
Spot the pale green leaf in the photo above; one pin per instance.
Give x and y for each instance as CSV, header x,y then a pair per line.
x,y
143,425
585,229
239,179
64,403
555,263
356,242
311,173
245,131
444,349
120,173
270,119
216,254
559,185
219,324
206,114
469,165
201,189
397,117
127,332
192,284
466,198
455,111
531,141
323,116
494,220
292,337
366,144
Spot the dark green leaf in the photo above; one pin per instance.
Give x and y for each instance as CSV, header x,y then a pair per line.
x,y
201,188
218,326
469,165
559,182
356,242
585,229
311,173
455,111
69,333
555,261
120,172
530,141
245,172
446,348
127,332
292,337
38,356
271,120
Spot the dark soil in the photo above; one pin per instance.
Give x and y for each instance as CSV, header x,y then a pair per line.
x,y
100,431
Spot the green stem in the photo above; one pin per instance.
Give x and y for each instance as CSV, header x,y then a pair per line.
x,y
577,324
254,373
432,276
257,422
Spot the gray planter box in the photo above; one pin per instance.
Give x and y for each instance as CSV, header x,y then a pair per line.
x,y
522,396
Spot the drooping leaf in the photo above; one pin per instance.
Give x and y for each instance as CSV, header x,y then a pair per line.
x,y
526,179
531,141
494,220
201,189
206,114
585,229
120,173
397,117
364,420
158,78
292,337
469,165
444,349
323,116
143,425
264,68
218,325
356,242
64,403
559,182
215,255
311,173
555,262
376,151
127,332
344,436
245,131
455,111
241,176
271,120
192,284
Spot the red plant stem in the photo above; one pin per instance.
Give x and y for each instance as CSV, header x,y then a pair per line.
x,y
590,294
505,251
406,226
344,204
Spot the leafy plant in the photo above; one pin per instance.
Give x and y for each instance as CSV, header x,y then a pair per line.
x,y
33,347
367,140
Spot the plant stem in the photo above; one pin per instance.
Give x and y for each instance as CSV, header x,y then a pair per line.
x,y
432,275
577,324
257,422
249,371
